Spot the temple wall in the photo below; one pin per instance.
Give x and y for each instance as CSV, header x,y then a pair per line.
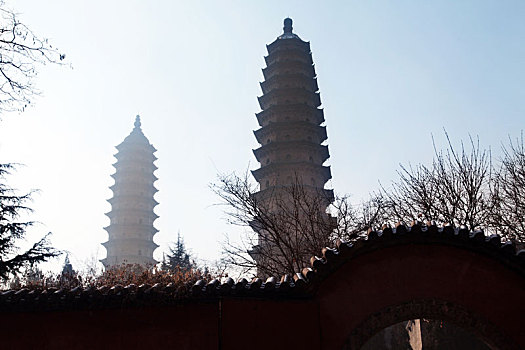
x,y
371,290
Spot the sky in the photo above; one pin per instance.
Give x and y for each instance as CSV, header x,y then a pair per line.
x,y
391,75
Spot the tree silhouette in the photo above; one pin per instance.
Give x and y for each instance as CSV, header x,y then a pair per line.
x,y
13,231
509,191
21,52
289,226
455,189
463,187
178,257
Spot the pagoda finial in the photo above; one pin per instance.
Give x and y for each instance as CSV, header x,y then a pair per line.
x,y
137,121
288,25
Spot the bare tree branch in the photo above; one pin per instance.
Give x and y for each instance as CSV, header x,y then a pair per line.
x,y
509,191
21,52
287,225
464,188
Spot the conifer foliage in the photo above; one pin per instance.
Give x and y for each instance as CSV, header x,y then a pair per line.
x,y
178,257
12,231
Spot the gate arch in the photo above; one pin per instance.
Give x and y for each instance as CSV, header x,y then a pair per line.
x,y
429,309
475,282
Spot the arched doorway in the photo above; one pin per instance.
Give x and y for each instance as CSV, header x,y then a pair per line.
x,y
425,334
476,283
427,324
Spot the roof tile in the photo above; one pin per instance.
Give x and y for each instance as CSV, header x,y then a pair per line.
x,y
300,284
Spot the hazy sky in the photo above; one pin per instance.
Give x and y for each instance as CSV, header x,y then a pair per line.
x,y
390,73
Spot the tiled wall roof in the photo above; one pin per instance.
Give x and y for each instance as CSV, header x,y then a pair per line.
x,y
301,285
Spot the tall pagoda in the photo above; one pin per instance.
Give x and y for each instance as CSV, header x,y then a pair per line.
x,y
291,133
131,217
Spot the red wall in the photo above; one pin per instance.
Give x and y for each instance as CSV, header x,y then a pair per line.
x,y
396,275
350,297
190,326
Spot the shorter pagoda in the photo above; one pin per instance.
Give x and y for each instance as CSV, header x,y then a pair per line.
x,y
131,230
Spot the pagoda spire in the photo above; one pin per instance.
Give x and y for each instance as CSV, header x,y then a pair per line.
x,y
287,30
131,230
288,26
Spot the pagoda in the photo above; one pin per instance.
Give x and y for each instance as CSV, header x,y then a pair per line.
x,y
291,133
131,230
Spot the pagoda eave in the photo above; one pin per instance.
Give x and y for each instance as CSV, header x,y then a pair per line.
x,y
142,227
142,242
293,52
262,134
317,114
145,212
292,42
290,67
297,80
272,168
289,96
272,147
268,193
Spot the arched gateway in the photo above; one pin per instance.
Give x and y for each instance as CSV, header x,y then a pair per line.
x,y
347,295
452,275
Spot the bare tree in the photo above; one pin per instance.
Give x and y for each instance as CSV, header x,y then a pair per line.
x,y
21,52
12,231
509,192
291,224
454,189
288,226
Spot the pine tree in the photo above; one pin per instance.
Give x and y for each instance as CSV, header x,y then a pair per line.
x,y
178,257
12,231
68,278
67,269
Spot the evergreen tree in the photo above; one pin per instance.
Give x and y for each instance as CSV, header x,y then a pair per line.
x,y
12,261
178,257
67,269
68,278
